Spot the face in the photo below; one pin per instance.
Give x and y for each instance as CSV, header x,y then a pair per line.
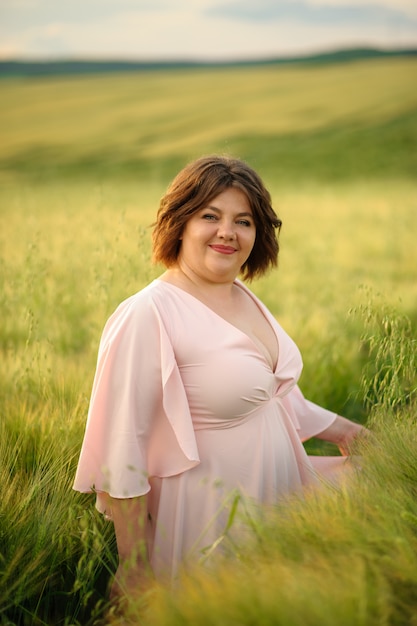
x,y
218,239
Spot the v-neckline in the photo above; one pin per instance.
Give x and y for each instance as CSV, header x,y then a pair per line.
x,y
257,303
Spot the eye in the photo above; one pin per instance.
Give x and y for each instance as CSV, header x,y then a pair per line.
x,y
210,217
244,223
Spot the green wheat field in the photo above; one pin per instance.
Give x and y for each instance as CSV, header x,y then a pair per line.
x,y
83,163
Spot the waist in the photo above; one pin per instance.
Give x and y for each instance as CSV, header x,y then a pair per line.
x,y
208,421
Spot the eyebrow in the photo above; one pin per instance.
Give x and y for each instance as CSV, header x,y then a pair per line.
x,y
213,208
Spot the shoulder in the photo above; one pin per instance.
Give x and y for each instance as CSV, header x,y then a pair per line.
x,y
139,313
147,299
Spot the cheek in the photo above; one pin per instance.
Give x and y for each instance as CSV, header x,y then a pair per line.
x,y
250,247
250,240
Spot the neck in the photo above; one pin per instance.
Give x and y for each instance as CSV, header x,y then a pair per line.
x,y
184,277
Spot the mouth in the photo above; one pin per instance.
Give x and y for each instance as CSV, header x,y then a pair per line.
x,y
222,249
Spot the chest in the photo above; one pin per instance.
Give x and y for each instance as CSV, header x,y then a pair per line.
x,y
249,319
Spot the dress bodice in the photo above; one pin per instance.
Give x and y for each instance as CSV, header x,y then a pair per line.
x,y
225,376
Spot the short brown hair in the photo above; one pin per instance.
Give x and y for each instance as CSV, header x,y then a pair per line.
x,y
194,187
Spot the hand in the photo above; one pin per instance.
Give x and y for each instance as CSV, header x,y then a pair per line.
x,y
133,574
344,433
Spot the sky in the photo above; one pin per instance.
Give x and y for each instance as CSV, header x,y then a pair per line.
x,y
200,29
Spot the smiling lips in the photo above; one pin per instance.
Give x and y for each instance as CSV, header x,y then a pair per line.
x,y
223,249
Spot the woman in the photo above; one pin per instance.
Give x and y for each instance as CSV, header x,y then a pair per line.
x,y
195,397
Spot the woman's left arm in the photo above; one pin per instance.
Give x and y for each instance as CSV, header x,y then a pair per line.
x,y
343,433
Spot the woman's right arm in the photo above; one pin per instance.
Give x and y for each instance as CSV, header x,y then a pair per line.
x,y
130,520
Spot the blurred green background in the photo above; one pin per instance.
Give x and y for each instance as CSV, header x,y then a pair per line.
x,y
326,122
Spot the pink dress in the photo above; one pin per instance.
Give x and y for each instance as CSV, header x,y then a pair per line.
x,y
186,409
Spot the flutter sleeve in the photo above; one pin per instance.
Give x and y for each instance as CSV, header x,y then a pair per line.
x,y
309,418
138,424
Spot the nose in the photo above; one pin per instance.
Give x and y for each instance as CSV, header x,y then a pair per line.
x,y
226,230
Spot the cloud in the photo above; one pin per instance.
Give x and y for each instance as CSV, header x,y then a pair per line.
x,y
30,13
266,7
317,11
407,7
201,29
